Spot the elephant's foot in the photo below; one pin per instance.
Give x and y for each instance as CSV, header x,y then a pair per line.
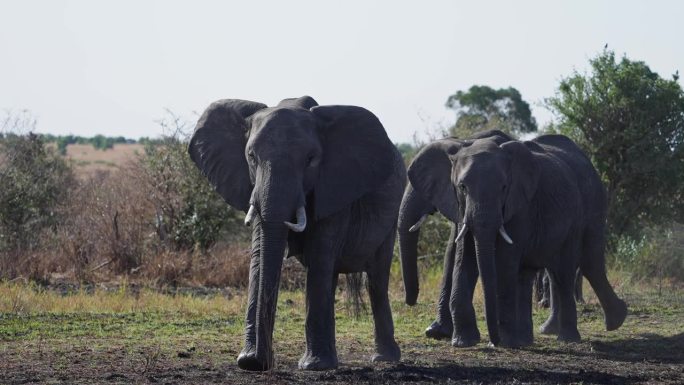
x,y
464,340
438,331
525,340
550,327
387,353
569,336
248,360
310,361
614,319
526,337
511,341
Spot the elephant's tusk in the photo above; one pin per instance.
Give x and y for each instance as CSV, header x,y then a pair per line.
x,y
461,233
415,227
301,221
250,215
504,235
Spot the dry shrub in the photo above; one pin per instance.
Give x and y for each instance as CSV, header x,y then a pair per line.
x,y
168,268
154,220
223,265
293,276
108,223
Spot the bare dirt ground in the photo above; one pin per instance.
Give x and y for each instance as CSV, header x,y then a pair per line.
x,y
183,344
645,360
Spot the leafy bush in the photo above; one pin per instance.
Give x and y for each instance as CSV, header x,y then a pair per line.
x,y
658,254
34,181
189,213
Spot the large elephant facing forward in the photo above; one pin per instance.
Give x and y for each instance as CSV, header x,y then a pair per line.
x,y
520,207
325,182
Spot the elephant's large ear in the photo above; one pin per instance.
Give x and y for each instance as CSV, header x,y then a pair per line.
x,y
524,178
358,157
218,149
430,175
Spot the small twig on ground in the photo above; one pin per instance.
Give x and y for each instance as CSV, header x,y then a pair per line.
x,y
103,264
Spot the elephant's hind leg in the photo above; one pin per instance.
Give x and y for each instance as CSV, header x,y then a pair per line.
x,y
563,283
593,267
552,324
378,284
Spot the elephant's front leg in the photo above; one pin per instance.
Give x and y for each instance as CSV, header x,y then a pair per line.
x,y
507,269
442,327
461,302
320,252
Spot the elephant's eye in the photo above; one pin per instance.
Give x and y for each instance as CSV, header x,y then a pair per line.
x,y
311,161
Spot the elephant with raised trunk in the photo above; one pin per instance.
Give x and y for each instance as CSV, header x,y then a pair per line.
x,y
323,183
520,207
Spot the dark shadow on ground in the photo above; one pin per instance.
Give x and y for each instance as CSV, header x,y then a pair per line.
x,y
407,373
650,347
644,347
394,374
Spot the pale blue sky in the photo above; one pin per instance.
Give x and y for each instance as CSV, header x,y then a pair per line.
x,y
111,67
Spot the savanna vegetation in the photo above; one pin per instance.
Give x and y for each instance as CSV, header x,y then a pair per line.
x,y
137,273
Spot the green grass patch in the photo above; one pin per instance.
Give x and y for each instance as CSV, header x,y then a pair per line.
x,y
129,336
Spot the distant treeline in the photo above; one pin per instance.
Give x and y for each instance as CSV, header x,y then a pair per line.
x,y
99,142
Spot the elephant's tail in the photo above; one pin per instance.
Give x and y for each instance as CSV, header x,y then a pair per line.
x,y
354,293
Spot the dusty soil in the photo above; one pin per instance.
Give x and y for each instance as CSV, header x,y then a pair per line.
x,y
88,359
620,362
175,345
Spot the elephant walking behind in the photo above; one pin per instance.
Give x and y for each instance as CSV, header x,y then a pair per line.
x,y
323,183
519,207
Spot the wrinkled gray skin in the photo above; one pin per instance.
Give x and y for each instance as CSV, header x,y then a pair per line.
x,y
336,164
414,207
547,197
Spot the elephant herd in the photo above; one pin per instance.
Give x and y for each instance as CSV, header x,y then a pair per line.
x,y
326,185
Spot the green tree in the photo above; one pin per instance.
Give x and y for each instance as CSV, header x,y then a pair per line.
x,y
483,108
631,122
190,214
34,180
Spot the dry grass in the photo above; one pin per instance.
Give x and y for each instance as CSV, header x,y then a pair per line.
x,y
129,336
21,299
89,161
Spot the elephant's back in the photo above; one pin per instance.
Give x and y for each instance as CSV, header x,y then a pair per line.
x,y
592,191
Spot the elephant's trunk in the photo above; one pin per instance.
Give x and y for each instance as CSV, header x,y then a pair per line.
x,y
273,241
485,252
413,208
